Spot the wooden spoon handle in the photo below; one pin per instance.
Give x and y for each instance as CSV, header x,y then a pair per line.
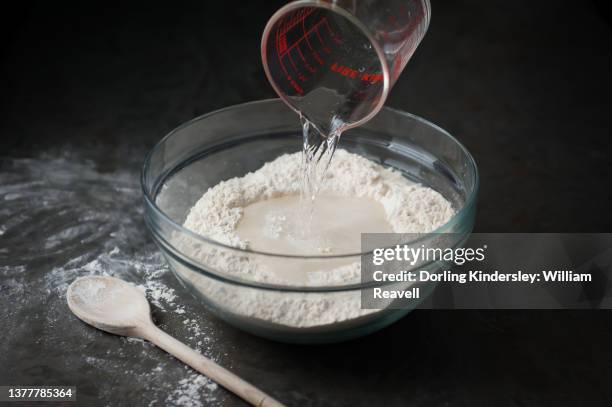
x,y
208,368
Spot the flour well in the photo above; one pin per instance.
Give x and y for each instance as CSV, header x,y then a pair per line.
x,y
283,225
279,225
405,207
409,207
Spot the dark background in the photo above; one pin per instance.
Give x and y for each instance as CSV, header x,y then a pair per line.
x,y
525,85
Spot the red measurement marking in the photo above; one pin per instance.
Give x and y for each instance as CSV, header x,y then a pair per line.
x,y
344,70
315,54
306,64
372,77
298,70
277,41
331,32
282,45
314,28
325,48
291,81
352,73
292,63
296,18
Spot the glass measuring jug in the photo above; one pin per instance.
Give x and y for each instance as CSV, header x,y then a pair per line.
x,y
334,61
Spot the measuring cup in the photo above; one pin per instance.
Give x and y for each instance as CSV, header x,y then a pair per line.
x,y
334,61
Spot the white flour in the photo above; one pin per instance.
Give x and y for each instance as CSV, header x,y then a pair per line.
x,y
63,218
409,208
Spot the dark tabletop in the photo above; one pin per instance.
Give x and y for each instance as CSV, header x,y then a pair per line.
x,y
86,91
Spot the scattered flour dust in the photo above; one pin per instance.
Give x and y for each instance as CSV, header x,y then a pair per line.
x,y
63,218
193,389
190,391
409,208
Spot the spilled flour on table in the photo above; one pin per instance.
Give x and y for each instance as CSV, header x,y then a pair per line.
x,y
190,389
64,218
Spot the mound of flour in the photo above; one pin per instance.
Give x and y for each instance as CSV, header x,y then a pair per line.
x,y
409,208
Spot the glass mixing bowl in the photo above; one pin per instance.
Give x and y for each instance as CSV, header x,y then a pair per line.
x,y
239,139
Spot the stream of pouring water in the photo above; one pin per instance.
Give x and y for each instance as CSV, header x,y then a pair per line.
x,y
317,152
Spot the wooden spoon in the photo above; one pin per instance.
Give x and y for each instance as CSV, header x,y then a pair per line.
x,y
115,306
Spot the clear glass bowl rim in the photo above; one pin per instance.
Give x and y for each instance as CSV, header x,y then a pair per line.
x,y
150,200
